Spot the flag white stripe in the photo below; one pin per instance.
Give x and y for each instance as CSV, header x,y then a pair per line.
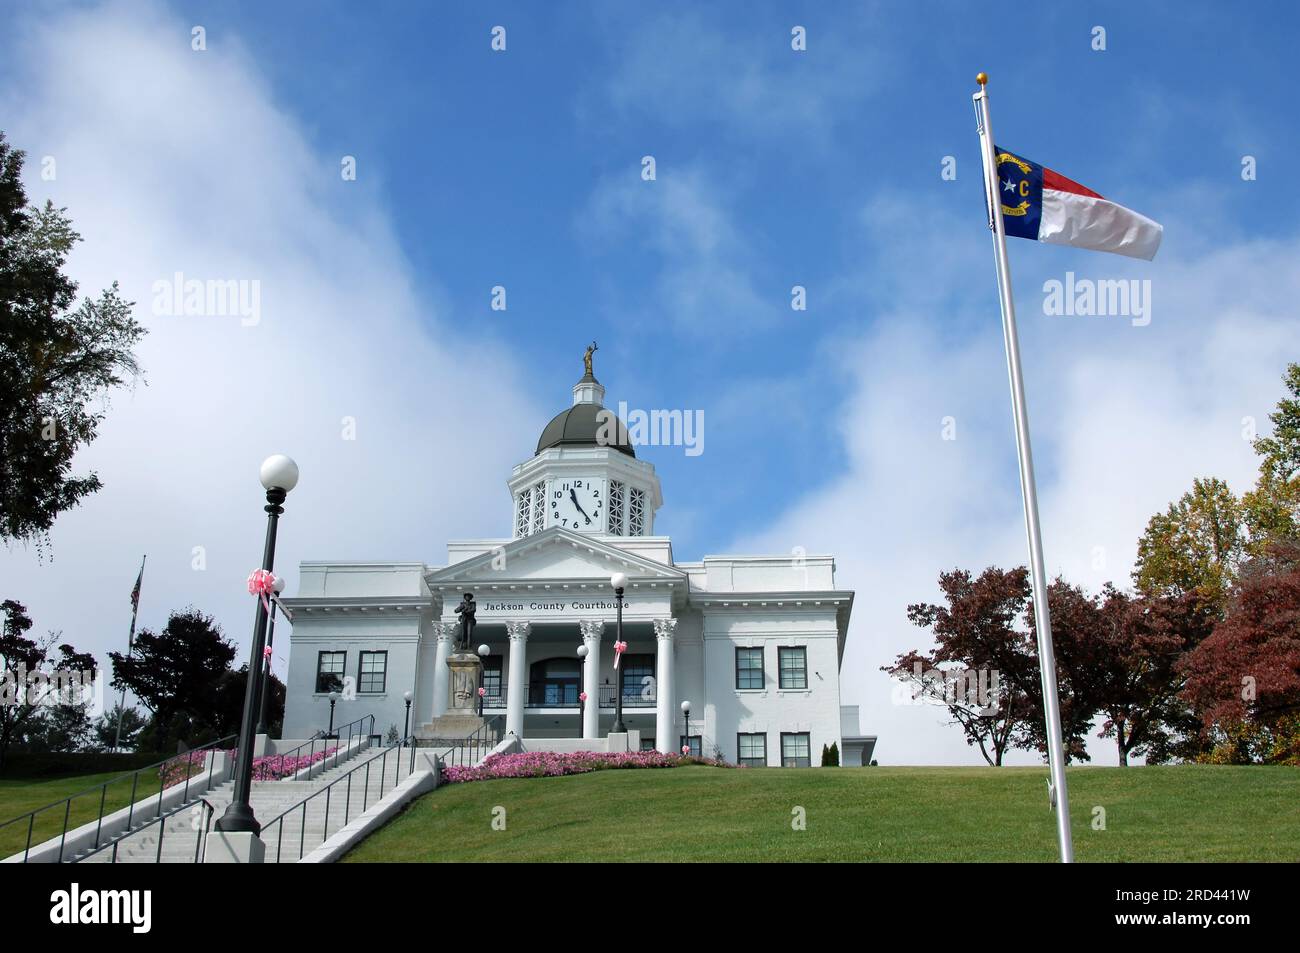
x,y
1085,221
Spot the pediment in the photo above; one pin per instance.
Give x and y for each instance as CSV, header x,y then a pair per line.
x,y
553,554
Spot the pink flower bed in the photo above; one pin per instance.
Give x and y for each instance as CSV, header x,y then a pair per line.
x,y
181,767
270,767
273,767
549,764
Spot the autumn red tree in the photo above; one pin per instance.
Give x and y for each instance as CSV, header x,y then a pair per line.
x,y
975,632
1076,621
1244,678
1135,673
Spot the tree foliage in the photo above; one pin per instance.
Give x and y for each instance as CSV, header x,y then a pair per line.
x,y
1244,678
177,674
974,632
21,656
1273,507
1196,546
56,360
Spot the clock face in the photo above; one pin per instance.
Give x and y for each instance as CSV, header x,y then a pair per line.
x,y
578,504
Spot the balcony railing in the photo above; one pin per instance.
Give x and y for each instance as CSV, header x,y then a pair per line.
x,y
566,696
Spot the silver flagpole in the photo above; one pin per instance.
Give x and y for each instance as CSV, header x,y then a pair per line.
x,y
1042,616
130,647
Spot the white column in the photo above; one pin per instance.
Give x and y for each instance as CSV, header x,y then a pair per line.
x,y
591,630
445,633
517,686
665,737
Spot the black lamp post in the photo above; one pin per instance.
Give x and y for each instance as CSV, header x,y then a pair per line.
x,y
279,475
582,695
266,664
406,726
686,726
334,700
483,651
619,582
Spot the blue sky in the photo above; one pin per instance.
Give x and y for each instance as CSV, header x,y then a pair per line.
x,y
487,163
774,168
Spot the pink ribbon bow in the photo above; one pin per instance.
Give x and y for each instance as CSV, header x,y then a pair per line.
x,y
619,649
266,653
582,697
481,691
686,749
261,583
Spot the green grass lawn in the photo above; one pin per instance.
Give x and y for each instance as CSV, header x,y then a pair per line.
x,y
696,813
19,795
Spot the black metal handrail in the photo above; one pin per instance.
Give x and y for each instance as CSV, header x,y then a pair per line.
x,y
345,779
470,749
353,728
200,850
102,788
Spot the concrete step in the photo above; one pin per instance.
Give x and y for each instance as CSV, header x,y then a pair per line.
x,y
285,838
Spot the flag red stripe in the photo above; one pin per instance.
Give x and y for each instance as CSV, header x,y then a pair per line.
x,y
1054,180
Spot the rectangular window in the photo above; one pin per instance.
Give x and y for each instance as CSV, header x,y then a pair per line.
x,y
638,678
751,750
796,748
696,743
749,668
372,672
647,744
329,671
793,666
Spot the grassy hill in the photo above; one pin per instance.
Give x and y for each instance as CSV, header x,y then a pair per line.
x,y
1184,813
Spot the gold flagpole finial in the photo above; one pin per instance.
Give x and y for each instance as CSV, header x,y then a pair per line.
x,y
982,78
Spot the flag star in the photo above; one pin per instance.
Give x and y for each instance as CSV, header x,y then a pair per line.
x,y
1008,185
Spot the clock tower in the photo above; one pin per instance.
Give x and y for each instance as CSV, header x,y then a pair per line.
x,y
584,475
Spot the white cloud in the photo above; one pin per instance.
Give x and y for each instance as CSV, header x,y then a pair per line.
x,y
685,67
682,221
1122,418
173,160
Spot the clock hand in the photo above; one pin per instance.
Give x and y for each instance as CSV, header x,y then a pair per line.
x,y
574,496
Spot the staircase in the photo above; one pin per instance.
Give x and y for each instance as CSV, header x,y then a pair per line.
x,y
362,780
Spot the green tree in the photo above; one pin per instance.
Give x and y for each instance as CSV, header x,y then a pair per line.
x,y
56,359
22,698
106,727
181,675
1273,507
1196,546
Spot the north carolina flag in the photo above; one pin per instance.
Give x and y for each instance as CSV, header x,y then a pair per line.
x,y
1045,206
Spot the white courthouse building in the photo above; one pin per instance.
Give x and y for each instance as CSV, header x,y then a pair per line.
x,y
754,643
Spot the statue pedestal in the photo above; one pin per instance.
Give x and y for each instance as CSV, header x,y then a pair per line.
x,y
466,677
462,718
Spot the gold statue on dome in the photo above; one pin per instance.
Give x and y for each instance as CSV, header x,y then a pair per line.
x,y
586,358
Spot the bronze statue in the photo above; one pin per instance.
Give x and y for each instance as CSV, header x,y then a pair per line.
x,y
466,611
586,358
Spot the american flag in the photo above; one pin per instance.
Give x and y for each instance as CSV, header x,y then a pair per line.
x,y
135,592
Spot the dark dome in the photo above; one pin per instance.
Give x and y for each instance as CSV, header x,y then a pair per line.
x,y
578,427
